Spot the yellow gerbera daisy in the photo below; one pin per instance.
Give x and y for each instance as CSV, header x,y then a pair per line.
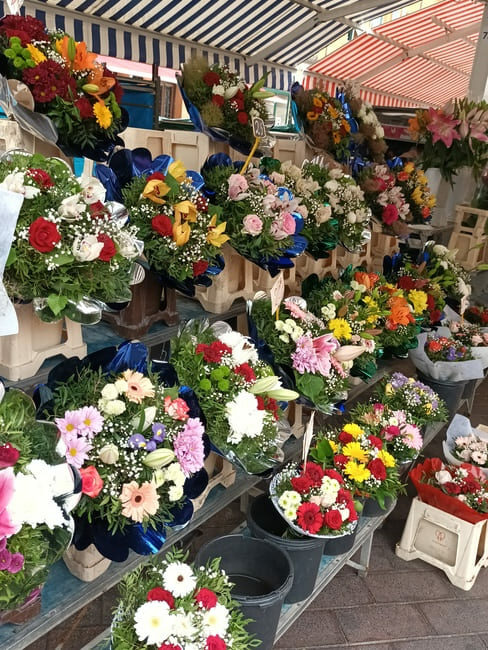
x,y
340,328
357,472
418,300
387,458
353,429
354,450
102,114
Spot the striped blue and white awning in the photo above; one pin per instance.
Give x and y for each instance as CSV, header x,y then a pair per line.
x,y
241,33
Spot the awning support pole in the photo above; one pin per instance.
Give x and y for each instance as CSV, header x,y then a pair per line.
x,y
479,73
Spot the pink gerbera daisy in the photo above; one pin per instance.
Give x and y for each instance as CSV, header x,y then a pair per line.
x,y
71,423
76,449
412,437
138,386
91,421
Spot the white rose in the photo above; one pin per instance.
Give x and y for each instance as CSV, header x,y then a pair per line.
x,y
443,476
175,492
87,248
332,186
351,217
92,190
438,249
323,214
114,407
218,90
121,385
336,173
110,392
344,513
71,208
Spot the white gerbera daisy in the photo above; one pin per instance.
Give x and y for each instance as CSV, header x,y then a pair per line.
x,y
179,579
182,625
153,622
216,621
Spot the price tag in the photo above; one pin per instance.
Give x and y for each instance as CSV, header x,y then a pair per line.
x,y
277,292
307,439
14,6
259,128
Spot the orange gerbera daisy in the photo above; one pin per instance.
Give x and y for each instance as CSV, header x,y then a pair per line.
x,y
138,386
400,311
139,501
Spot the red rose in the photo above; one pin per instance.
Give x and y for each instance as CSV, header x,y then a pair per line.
x,y
84,106
331,473
434,346
97,210
451,487
41,177
242,117
389,214
170,646
245,370
377,469
199,267
345,437
353,515
435,315
218,100
163,225
340,460
376,442
402,176
436,464
156,176
261,404
381,185
301,484
165,596
211,78
43,235
343,496
91,481
215,643
108,250
206,598
406,283
315,473
309,517
333,519
9,455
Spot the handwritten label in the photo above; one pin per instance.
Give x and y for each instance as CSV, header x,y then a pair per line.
x,y
258,127
277,292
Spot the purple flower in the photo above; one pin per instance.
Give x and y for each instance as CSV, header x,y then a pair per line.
x,y
398,380
5,560
159,432
451,354
151,445
16,563
188,446
137,441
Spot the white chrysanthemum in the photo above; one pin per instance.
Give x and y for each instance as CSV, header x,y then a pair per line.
x,y
290,513
113,407
175,492
179,579
32,503
289,499
243,350
216,620
153,622
174,474
182,626
244,417
110,392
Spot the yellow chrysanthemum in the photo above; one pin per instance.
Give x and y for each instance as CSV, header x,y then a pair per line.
x,y
387,458
333,445
36,55
417,196
340,328
353,430
102,114
355,451
357,472
409,167
431,201
418,300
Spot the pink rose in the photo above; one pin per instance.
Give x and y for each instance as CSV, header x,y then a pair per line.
x,y
289,225
237,186
176,408
283,226
270,187
252,225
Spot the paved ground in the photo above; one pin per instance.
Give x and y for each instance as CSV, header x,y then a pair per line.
x,y
399,606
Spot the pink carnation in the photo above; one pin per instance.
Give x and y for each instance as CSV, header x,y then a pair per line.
x,y
188,446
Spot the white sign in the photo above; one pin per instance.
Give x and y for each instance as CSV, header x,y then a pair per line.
x,y
14,6
11,203
277,292
259,128
307,439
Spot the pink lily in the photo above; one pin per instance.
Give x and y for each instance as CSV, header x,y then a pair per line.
x,y
6,493
442,127
324,347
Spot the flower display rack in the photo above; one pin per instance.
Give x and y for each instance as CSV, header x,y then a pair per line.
x,y
381,245
469,240
306,265
22,354
220,472
457,547
362,258
86,565
262,280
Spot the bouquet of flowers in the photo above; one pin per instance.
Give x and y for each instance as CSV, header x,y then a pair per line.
x,y
441,348
314,501
453,137
385,198
442,268
221,104
134,442
369,138
461,490
169,604
320,227
182,234
68,245
323,120
477,315
37,491
306,353
401,437
418,400
347,203
79,95
369,470
414,185
237,392
263,219
463,444
425,295
468,334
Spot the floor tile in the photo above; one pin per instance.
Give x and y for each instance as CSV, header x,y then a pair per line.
x,y
313,629
378,623
395,586
457,617
344,591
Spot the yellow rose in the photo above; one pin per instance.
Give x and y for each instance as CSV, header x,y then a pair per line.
x,y
155,190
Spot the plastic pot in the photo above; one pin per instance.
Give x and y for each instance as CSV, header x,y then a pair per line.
x,y
372,508
450,391
341,544
262,574
265,522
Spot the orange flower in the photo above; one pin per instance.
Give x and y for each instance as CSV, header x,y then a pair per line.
x,y
139,502
400,311
317,102
138,386
413,125
83,60
312,116
366,279
337,137
96,78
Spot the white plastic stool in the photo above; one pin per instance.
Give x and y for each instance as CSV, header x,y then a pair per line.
x,y
457,547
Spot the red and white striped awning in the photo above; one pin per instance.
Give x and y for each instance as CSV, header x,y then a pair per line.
x,y
422,59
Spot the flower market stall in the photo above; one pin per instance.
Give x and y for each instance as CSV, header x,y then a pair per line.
x,y
239,315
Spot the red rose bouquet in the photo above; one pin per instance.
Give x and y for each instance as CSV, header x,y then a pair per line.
x,y
314,501
461,491
166,602
385,198
81,96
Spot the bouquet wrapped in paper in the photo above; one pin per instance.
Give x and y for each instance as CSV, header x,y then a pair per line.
x,y
444,359
465,444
